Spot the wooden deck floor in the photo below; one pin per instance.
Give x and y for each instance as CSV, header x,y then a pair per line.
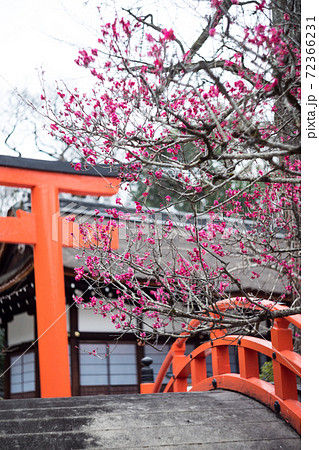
x,y
200,420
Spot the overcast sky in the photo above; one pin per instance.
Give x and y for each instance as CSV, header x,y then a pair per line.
x,y
45,33
35,33
38,35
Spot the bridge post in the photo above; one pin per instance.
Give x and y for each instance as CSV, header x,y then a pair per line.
x,y
220,360
198,370
147,376
180,383
220,355
284,379
248,362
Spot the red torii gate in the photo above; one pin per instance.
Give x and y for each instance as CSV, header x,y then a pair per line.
x,y
46,179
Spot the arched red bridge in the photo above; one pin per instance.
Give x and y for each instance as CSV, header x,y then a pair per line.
x,y
281,396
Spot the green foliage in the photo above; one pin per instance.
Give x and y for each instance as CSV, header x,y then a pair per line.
x,y
157,193
182,201
170,185
267,373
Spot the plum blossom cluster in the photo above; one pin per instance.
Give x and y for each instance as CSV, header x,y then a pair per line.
x,y
157,281
212,129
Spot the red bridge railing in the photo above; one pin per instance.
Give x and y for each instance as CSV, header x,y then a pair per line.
x,y
281,396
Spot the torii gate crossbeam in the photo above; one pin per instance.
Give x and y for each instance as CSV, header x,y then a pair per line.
x,y
46,179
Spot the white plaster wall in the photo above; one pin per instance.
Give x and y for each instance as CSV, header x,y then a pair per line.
x,y
67,313
21,329
172,327
88,321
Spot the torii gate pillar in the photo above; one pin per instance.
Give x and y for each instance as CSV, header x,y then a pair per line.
x,y
46,179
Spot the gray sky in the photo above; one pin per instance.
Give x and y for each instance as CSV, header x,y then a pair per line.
x,y
47,33
37,33
41,35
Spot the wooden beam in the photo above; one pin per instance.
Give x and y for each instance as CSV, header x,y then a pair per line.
x,y
76,183
20,229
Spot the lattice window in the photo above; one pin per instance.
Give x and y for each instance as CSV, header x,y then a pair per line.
x,y
118,368
22,373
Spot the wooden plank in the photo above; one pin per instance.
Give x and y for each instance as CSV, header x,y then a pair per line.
x,y
219,419
133,402
142,421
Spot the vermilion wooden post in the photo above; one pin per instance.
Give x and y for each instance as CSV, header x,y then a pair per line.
x,y
37,229
180,384
284,379
198,369
220,355
248,362
50,295
220,360
146,388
